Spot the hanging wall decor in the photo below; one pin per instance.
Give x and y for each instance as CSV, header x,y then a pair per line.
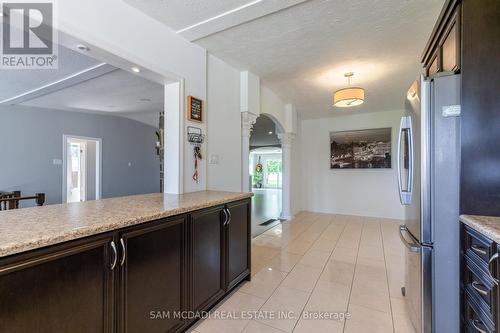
x,y
364,149
195,109
195,138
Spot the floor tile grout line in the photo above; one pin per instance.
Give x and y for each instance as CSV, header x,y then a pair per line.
x,y
274,290
387,280
324,266
353,275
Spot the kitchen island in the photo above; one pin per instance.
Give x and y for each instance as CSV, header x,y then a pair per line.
x,y
145,263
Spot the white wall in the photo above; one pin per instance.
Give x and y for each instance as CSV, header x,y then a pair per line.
x,y
224,126
120,29
273,106
366,192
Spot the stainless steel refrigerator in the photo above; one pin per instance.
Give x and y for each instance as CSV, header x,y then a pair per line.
x,y
428,164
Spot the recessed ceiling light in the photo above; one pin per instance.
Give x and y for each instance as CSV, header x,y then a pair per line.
x,y
270,132
82,47
135,69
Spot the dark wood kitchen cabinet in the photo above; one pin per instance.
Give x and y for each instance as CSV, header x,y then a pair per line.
x,y
143,278
207,239
238,243
442,52
153,271
220,251
63,288
480,276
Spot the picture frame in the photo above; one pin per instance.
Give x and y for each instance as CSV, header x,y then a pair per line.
x,y
361,149
194,109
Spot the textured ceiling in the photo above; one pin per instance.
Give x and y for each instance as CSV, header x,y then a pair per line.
x,y
115,92
179,14
14,82
302,52
118,92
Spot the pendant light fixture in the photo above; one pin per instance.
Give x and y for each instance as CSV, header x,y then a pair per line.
x,y
350,96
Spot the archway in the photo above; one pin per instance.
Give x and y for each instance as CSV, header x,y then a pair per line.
x,y
265,170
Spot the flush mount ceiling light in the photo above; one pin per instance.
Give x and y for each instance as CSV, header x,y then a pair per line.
x,y
135,69
350,96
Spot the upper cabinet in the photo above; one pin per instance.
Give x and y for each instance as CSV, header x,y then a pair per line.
x,y
442,52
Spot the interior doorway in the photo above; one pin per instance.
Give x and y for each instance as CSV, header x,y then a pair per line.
x,y
265,169
81,168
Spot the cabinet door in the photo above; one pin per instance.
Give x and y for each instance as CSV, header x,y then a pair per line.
x,y
207,242
238,242
152,277
64,288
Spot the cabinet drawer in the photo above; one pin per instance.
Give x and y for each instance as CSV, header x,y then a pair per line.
x,y
479,285
474,321
477,246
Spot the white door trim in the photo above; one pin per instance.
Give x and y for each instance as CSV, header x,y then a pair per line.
x,y
98,184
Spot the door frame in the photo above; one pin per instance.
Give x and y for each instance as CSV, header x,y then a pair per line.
x,y
98,194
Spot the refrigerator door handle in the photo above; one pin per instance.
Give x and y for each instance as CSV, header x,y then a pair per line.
x,y
413,245
405,129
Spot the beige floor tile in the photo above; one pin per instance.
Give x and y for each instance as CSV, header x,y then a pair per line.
x,y
328,296
264,251
310,263
319,326
364,320
338,272
323,244
284,261
302,278
285,301
263,283
369,297
229,317
298,247
371,252
402,324
348,242
344,254
314,258
256,327
269,241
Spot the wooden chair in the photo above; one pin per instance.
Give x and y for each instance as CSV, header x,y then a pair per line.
x,y
10,200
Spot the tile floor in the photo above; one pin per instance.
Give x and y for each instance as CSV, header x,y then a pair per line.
x,y
321,263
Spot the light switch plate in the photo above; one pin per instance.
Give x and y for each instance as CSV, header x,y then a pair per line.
x,y
214,159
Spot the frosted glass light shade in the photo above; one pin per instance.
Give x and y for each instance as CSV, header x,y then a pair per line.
x,y
348,97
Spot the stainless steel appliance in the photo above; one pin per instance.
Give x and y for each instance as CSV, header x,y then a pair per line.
x,y
428,178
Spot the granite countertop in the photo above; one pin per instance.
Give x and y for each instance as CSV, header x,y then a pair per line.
x,y
486,225
31,228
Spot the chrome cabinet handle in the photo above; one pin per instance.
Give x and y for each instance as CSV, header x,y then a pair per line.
x,y
225,217
478,249
124,252
475,322
493,257
115,255
229,213
480,288
413,246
